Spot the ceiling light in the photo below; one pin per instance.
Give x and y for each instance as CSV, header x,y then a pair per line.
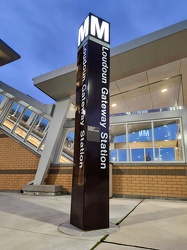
x,y
114,105
164,90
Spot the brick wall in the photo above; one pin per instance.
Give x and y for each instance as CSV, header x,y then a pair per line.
x,y
61,175
150,181
17,164
134,181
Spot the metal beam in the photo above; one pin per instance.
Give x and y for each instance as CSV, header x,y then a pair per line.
x,y
51,143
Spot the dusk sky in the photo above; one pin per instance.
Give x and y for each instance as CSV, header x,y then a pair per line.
x,y
44,32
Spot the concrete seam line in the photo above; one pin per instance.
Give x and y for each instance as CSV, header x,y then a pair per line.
x,y
126,245
129,212
99,242
103,239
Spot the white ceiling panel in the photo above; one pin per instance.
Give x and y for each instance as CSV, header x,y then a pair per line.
x,y
117,129
165,84
136,93
121,105
144,103
166,99
132,82
138,99
164,72
113,89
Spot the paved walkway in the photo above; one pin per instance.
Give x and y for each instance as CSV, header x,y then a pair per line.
x,y
31,223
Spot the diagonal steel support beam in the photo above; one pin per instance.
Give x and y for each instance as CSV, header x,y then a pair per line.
x,y
51,143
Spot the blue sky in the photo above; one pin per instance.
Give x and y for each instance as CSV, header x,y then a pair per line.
x,y
44,32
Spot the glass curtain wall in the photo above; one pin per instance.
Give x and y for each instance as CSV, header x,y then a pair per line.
x,y
148,141
153,141
23,122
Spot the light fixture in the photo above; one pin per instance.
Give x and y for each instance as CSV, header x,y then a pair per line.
x,y
164,90
113,105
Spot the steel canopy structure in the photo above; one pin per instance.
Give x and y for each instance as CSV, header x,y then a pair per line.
x,y
7,54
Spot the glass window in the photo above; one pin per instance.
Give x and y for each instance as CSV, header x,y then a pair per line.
x,y
113,155
3,101
25,123
149,154
122,155
140,138
147,141
167,135
137,154
118,155
38,131
13,116
167,144
120,138
157,154
167,154
118,142
118,133
68,148
140,132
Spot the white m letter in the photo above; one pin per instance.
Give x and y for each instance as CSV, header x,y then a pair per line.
x,y
83,31
103,30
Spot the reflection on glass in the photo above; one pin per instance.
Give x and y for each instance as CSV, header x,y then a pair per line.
x,y
3,101
140,138
25,123
140,132
38,132
13,116
118,142
167,135
122,155
118,155
137,154
149,154
68,148
167,144
113,155
139,146
167,154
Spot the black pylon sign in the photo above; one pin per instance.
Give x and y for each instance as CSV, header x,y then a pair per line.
x,y
90,187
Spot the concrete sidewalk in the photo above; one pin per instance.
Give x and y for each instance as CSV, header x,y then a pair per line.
x,y
31,222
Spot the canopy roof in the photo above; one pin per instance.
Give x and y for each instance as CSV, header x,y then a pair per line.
x,y
135,66
7,54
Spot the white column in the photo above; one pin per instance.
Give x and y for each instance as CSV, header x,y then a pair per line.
x,y
54,132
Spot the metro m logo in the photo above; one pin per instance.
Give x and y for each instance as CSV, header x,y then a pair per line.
x,y
99,31
83,30
144,133
95,27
